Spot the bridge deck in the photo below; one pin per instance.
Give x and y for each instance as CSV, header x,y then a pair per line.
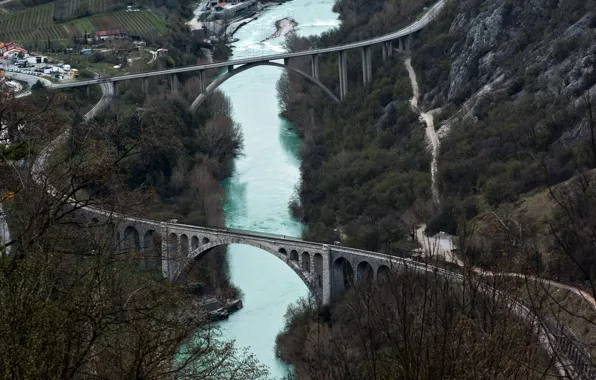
x,y
412,28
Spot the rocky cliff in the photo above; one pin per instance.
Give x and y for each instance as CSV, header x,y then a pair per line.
x,y
536,46
515,82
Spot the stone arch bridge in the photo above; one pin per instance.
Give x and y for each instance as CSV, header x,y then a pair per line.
x,y
325,269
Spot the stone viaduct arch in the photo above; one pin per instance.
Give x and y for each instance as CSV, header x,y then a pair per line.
x,y
306,262
234,71
327,271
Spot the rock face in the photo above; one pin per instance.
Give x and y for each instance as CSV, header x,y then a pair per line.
x,y
542,47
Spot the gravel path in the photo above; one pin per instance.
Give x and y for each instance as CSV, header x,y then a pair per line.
x,y
442,244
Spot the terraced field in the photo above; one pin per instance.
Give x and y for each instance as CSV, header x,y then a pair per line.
x,y
37,23
66,10
32,24
140,22
38,17
136,23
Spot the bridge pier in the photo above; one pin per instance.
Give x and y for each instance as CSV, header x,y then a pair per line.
x,y
384,51
286,61
202,86
145,86
326,286
115,89
401,43
230,68
174,84
366,65
388,48
343,74
165,259
314,62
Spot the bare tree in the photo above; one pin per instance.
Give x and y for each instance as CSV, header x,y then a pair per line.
x,y
73,303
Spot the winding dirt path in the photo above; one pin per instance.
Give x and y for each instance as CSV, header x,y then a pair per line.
x,y
153,55
442,244
431,134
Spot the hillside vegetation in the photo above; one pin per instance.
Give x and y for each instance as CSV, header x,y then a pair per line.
x,y
412,327
515,82
365,163
511,86
513,96
38,24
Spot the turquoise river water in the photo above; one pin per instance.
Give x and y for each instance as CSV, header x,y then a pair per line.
x,y
264,181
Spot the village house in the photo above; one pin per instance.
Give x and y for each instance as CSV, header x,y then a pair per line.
x,y
110,34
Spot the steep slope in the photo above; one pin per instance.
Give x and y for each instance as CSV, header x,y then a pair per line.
x,y
515,81
517,73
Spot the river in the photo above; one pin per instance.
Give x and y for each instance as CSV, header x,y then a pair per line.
x,y
264,180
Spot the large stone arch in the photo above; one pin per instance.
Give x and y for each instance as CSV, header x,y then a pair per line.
x,y
364,272
184,245
342,274
274,249
383,273
131,240
305,262
218,82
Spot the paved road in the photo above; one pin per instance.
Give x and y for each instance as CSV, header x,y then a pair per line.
x,y
30,79
414,27
153,55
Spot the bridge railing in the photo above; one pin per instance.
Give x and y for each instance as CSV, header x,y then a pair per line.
x,y
241,232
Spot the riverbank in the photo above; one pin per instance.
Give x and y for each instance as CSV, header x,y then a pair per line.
x,y
216,309
235,24
264,181
284,26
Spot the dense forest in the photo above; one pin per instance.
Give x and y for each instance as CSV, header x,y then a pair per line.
x,y
510,87
73,304
513,83
511,101
365,164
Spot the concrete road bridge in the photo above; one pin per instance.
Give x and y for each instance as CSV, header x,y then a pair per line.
x,y
402,38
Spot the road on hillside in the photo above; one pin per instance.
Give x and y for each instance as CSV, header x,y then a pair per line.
x,y
29,79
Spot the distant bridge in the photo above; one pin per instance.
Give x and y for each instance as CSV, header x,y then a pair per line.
x,y
401,37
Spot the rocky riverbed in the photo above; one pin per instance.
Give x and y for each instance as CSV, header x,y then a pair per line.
x,y
284,26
